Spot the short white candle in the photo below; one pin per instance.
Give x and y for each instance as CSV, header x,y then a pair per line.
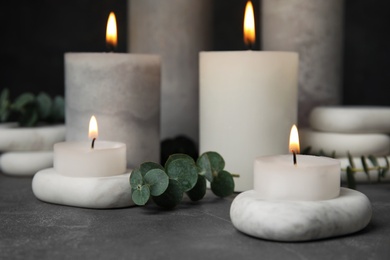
x,y
78,159
311,178
83,159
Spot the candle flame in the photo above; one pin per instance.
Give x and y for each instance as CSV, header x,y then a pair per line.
x,y
294,139
111,31
249,25
93,128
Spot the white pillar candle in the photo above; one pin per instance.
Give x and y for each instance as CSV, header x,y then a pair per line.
x,y
177,30
123,91
312,178
78,159
248,102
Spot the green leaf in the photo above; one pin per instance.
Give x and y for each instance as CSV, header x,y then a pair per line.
x,y
171,197
211,163
365,167
174,157
147,166
374,162
57,113
386,169
204,165
157,180
350,159
223,184
141,195
29,117
306,150
199,190
44,105
350,179
4,105
22,101
136,179
184,170
321,153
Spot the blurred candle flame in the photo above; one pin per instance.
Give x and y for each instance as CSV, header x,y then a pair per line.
x,y
111,31
249,25
93,128
294,140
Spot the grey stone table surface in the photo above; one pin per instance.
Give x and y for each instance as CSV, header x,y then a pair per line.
x,y
31,229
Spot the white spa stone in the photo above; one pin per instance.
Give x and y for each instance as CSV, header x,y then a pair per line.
x,y
30,138
351,119
25,163
88,192
300,220
361,176
356,144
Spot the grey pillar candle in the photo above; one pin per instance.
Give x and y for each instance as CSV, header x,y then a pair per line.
x,y
123,92
177,30
314,29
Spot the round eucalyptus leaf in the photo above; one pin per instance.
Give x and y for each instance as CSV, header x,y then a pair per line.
x,y
199,190
44,105
57,113
29,116
204,164
184,171
223,184
136,179
23,100
157,180
147,166
141,195
171,197
216,161
175,156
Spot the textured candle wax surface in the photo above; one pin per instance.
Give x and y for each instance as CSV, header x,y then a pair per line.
x,y
248,102
300,220
123,92
78,159
312,178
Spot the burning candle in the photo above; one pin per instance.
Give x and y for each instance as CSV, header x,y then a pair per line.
x,y
307,178
123,91
81,159
248,101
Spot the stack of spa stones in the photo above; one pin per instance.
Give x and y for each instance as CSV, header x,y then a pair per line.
x,y
359,131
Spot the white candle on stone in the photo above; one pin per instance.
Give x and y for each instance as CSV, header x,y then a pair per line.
x,y
123,91
248,102
311,178
79,159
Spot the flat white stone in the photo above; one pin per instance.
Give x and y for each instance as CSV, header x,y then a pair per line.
x,y
356,144
300,220
30,138
86,192
351,119
25,163
361,176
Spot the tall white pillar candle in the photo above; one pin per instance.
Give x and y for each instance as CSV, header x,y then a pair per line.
x,y
248,102
177,30
123,92
314,29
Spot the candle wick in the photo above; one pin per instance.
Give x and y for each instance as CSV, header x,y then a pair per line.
x,y
93,143
110,47
249,46
294,158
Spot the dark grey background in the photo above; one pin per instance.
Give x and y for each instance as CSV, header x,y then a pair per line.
x,y
36,34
